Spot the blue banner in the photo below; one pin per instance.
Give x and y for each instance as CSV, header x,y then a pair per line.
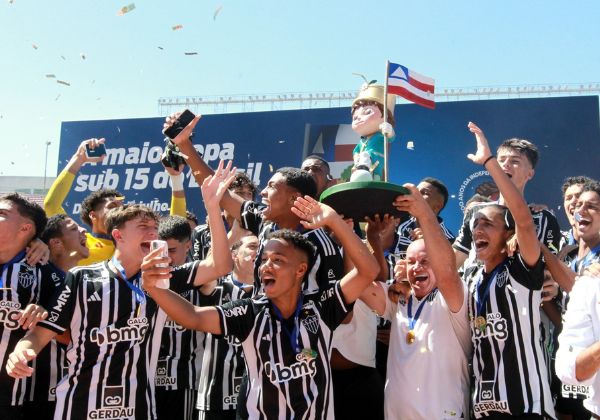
x,y
429,143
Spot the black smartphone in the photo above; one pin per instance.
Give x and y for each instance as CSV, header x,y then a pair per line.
x,y
98,151
180,123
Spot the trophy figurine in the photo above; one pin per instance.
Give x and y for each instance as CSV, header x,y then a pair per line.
x,y
368,192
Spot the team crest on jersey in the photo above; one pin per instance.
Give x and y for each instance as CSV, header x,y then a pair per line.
x,y
502,278
311,323
26,277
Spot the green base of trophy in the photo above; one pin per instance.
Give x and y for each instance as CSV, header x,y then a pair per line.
x,y
356,200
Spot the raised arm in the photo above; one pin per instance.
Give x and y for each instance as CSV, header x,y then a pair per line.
x,y
61,186
200,170
218,262
529,244
314,215
178,203
442,259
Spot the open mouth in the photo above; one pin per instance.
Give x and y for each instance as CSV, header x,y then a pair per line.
x,y
83,241
268,283
421,278
583,223
145,246
481,244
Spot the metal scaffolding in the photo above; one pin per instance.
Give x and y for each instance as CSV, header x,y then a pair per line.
x,y
222,104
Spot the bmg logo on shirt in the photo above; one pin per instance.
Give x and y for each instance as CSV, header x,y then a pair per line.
x,y
280,373
10,313
495,327
136,331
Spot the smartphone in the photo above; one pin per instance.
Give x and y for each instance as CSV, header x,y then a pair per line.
x,y
182,121
156,244
98,151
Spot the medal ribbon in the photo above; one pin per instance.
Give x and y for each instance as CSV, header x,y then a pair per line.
x,y
139,294
295,333
586,260
481,301
413,320
5,266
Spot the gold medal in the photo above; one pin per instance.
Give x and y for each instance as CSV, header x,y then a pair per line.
x,y
410,337
480,323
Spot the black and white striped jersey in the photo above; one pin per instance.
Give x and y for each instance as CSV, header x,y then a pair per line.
x,y
50,365
284,383
510,374
180,356
548,230
21,285
200,242
223,363
329,261
115,339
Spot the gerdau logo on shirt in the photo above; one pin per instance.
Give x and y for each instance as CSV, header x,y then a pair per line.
x,y
280,373
135,331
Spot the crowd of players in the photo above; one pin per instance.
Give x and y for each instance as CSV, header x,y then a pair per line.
x,y
280,308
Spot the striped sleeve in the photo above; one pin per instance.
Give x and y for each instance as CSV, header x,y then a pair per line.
x,y
333,306
62,305
236,318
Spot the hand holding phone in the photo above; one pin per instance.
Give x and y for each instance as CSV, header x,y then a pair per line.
x,y
180,123
98,151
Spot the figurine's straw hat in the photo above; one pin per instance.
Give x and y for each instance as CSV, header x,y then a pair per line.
x,y
374,92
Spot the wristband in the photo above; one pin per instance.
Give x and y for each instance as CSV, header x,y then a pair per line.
x,y
490,157
177,182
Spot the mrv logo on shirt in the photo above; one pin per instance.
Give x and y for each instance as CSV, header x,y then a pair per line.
x,y
136,331
280,373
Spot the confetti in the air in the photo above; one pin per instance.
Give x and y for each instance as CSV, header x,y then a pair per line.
x,y
63,82
35,47
57,96
126,9
281,141
217,11
191,53
270,168
63,57
82,56
410,145
51,76
177,27
160,48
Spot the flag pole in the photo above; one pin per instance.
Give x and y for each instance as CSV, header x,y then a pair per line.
x,y
385,113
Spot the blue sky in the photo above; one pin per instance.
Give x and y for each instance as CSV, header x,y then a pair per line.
x,y
262,47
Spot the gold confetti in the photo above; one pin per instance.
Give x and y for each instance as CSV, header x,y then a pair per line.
x,y
126,9
177,27
410,145
191,53
35,47
51,76
217,11
63,83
